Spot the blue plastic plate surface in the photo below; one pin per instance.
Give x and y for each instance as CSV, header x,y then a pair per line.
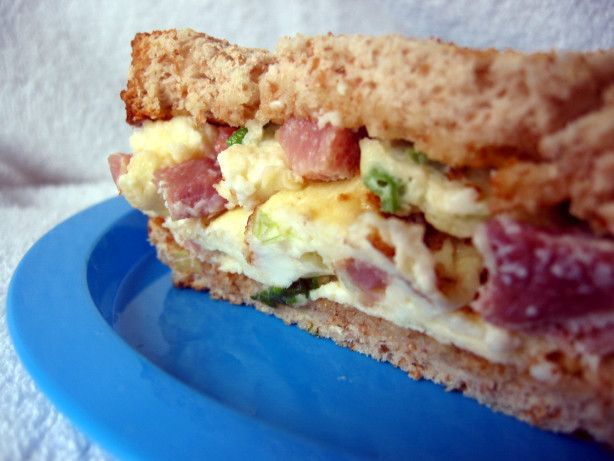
x,y
153,372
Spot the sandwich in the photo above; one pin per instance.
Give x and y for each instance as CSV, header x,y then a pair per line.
x,y
445,209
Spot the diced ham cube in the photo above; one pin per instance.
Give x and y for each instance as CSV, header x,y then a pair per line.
x,y
188,189
118,164
326,153
368,279
542,277
366,276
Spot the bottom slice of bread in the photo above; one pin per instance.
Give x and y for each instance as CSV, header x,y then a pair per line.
x,y
580,399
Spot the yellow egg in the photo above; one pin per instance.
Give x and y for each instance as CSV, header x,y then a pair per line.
x,y
158,145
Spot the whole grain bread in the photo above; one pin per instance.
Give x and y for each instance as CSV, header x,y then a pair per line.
x,y
581,398
542,121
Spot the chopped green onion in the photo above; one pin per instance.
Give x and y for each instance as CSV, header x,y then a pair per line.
x,y
386,187
277,296
236,137
266,230
417,156
317,282
420,158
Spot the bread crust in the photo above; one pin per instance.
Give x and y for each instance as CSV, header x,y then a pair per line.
x,y
539,120
181,72
581,399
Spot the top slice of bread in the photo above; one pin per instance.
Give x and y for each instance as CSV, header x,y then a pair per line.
x,y
515,112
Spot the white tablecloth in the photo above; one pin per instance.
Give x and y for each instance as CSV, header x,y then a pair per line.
x,y
63,65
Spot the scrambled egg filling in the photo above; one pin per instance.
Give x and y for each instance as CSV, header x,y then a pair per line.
x,y
451,206
280,228
158,145
254,170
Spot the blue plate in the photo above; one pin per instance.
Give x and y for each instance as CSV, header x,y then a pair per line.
x,y
153,372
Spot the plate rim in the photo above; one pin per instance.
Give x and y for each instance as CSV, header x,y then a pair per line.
x,y
72,243
182,435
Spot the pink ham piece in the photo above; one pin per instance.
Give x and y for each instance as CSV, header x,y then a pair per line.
x,y
326,153
118,164
370,280
599,341
188,190
223,133
539,277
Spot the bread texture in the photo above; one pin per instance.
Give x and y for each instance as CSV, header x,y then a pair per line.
x,y
184,72
542,122
581,398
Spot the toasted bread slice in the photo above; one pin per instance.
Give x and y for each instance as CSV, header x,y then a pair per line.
x,y
544,121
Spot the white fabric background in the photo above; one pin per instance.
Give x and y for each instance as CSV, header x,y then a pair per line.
x,y
63,65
